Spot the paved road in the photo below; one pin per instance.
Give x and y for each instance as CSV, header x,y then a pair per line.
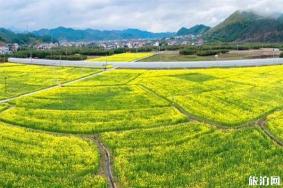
x,y
154,65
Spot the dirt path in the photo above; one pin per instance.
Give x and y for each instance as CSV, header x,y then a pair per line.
x,y
262,124
106,161
54,86
194,117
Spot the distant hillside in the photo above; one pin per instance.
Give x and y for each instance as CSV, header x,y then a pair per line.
x,y
7,36
248,26
69,34
196,30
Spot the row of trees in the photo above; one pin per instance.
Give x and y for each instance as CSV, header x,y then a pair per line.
x,y
213,49
75,53
70,53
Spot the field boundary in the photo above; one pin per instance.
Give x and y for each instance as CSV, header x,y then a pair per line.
x,y
55,86
139,60
194,117
262,125
107,162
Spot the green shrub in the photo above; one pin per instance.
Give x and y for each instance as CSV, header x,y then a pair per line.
x,y
76,57
211,52
187,51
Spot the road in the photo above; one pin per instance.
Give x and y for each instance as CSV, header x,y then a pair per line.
x,y
153,65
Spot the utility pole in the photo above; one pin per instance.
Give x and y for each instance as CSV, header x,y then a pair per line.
x,y
159,51
30,54
51,46
238,50
60,64
106,61
5,84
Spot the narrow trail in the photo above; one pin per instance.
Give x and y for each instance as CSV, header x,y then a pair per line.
x,y
193,117
6,109
106,159
262,125
55,86
260,122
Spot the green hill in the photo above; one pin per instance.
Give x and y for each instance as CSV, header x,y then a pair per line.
x,y
246,26
196,30
69,34
7,36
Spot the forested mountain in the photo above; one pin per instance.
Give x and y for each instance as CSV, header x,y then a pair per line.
x,y
69,34
196,30
247,26
7,36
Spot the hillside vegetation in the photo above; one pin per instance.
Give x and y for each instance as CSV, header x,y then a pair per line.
x,y
247,26
8,36
196,30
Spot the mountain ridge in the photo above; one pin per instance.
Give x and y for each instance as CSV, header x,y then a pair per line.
x,y
70,34
8,36
247,26
195,30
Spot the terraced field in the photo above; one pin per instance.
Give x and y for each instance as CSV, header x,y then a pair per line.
x,y
124,57
161,128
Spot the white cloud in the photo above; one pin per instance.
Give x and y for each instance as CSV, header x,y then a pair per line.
x,y
153,15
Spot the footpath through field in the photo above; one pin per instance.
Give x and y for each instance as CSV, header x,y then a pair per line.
x,y
54,86
153,65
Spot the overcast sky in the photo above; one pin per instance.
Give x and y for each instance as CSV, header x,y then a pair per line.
x,y
152,15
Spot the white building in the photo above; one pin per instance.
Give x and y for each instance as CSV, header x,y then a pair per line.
x,y
4,50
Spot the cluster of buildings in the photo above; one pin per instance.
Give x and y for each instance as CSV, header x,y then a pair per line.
x,y
8,48
139,43
46,46
173,41
113,44
190,40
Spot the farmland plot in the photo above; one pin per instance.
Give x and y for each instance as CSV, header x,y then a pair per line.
x,y
275,124
144,118
32,159
19,79
192,155
117,77
228,96
89,110
124,57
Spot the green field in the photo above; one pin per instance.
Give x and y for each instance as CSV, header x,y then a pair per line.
x,y
275,124
124,57
172,56
31,159
20,79
163,128
169,57
192,155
